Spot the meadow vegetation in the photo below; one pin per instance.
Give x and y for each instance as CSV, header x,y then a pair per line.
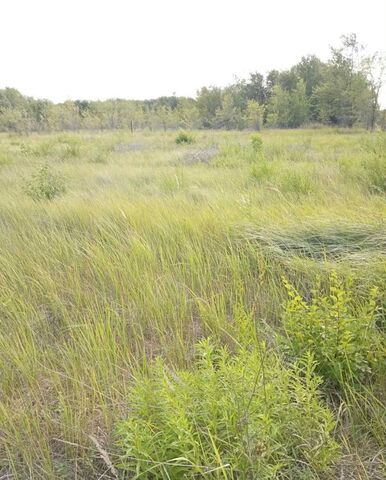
x,y
202,304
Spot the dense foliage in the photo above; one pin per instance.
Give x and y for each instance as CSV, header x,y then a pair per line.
x,y
233,416
347,345
343,91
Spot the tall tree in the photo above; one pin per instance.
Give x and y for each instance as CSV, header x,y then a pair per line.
x,y
344,96
209,101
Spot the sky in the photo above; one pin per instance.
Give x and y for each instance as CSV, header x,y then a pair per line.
x,y
98,49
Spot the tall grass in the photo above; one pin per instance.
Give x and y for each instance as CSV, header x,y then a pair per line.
x,y
140,259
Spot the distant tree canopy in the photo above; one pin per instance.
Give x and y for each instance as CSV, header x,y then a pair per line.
x,y
343,91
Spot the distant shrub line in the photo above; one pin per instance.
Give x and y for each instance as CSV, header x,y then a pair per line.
x,y
342,91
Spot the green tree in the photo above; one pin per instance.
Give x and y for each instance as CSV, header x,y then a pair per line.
x,y
229,116
256,89
374,66
254,115
344,98
288,109
209,101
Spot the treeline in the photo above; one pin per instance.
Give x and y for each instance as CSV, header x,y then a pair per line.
x,y
343,91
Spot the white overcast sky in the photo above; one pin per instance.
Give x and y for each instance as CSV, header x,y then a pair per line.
x,y
98,49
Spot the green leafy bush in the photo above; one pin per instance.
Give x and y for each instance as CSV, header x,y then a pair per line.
x,y
184,138
44,184
345,342
241,415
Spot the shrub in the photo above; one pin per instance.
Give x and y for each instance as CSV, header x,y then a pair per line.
x,y
45,185
257,143
184,138
345,343
240,415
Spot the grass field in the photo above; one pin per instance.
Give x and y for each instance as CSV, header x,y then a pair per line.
x,y
148,248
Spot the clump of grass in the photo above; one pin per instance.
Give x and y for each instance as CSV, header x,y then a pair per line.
x,y
234,415
44,184
262,171
43,149
375,144
39,150
184,138
346,344
298,183
4,159
71,150
101,155
374,164
171,184
375,168
231,155
68,147
319,241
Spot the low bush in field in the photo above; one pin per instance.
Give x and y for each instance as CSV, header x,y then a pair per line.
x,y
44,184
234,415
184,137
346,343
257,144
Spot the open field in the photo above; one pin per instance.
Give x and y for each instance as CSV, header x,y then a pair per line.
x,y
151,246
